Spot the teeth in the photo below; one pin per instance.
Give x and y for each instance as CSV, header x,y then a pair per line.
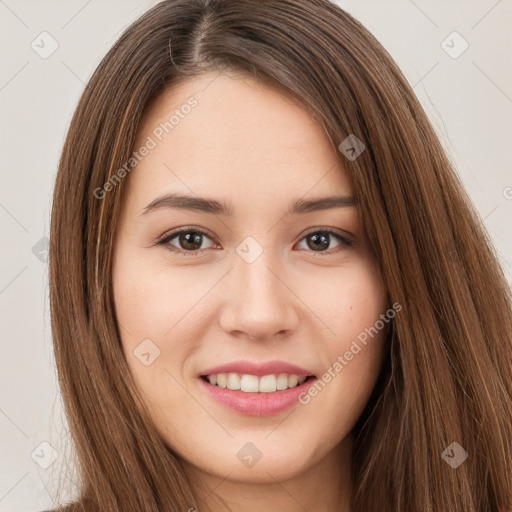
x,y
282,381
293,380
255,384
249,383
268,384
233,381
222,380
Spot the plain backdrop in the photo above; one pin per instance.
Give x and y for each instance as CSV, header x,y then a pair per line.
x,y
466,92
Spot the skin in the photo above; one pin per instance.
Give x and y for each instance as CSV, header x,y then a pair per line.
x,y
252,146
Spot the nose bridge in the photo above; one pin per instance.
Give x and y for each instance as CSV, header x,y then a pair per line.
x,y
257,269
258,302
259,281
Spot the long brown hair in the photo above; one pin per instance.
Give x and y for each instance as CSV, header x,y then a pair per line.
x,y
448,374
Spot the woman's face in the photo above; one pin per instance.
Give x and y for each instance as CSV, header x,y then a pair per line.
x,y
260,296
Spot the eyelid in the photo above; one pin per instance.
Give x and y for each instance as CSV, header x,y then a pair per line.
x,y
349,237
169,235
314,229
173,232
335,232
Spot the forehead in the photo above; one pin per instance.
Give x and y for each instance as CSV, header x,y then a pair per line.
x,y
234,137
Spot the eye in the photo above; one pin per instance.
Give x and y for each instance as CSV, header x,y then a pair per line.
x,y
189,240
318,240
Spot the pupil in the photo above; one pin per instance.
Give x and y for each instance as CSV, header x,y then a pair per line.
x,y
188,240
321,241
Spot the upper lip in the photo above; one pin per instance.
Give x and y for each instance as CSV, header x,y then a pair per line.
x,y
258,369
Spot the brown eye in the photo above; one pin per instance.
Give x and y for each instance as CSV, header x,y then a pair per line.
x,y
188,241
319,241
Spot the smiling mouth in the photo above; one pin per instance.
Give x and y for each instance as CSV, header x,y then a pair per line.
x,y
247,383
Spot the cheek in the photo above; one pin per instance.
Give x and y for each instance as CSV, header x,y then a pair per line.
x,y
152,300
155,308
351,301
353,307
160,313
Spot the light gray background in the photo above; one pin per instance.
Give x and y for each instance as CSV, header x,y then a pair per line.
x,y
468,99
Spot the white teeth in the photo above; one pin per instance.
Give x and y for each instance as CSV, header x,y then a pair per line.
x,y
267,384
222,380
282,381
293,380
249,383
233,381
254,384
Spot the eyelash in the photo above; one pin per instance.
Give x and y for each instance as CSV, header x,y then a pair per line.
x,y
344,242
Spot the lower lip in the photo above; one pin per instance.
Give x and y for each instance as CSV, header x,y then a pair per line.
x,y
258,404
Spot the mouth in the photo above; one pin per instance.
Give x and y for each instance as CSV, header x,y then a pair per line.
x,y
256,389
247,383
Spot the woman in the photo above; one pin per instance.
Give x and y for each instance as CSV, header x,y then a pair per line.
x,y
266,279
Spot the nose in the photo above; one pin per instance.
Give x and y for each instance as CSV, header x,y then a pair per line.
x,y
259,301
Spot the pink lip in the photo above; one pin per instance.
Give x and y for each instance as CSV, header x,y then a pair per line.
x,y
257,404
258,369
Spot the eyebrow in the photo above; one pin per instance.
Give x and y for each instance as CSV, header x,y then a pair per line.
x,y
215,207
